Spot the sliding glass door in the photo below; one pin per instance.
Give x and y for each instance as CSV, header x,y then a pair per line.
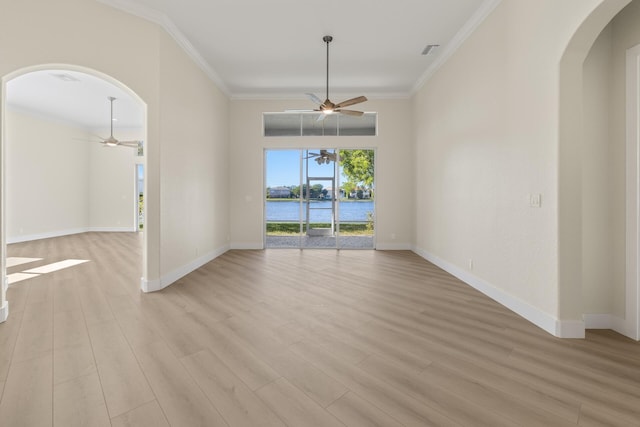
x,y
319,198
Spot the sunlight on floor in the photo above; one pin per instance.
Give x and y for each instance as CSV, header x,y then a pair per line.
x,y
50,268
35,272
18,277
13,261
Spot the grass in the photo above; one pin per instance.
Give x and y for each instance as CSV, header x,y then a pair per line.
x,y
292,228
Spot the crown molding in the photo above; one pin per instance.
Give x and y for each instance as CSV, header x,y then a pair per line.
x,y
468,28
276,96
167,24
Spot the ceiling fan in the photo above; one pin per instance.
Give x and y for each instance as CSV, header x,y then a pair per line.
x,y
112,141
324,156
327,107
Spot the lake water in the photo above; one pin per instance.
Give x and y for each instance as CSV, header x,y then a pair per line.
x,y
320,211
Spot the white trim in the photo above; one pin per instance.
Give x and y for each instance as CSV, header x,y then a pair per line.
x,y
150,285
569,329
246,245
173,276
545,321
280,96
46,235
69,232
450,48
4,312
605,321
632,281
152,15
112,229
393,247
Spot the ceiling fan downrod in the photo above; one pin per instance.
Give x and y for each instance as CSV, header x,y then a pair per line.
x,y
327,40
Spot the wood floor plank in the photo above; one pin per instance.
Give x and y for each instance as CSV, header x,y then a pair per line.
x,y
484,395
354,411
70,329
295,407
36,332
348,337
70,363
8,336
125,386
80,402
148,415
239,357
182,401
401,406
593,415
27,399
237,404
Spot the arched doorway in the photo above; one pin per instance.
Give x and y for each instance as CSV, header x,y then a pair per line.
x,y
96,86
572,239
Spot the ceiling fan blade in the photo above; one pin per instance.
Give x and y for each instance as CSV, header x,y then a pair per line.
x,y
314,98
134,144
350,112
299,111
351,101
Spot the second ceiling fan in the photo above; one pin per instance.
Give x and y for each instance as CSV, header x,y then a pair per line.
x,y
328,107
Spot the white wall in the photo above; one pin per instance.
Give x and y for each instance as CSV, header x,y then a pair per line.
x,y
112,175
44,197
59,183
487,136
194,164
395,191
603,173
142,57
597,176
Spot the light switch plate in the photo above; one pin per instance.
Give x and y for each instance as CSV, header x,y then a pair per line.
x,y
535,200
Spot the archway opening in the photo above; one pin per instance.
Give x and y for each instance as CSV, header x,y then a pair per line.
x,y
59,177
592,154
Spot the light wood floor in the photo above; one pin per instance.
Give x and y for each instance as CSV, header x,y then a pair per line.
x,y
288,337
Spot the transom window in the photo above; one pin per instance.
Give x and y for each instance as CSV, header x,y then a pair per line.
x,y
307,124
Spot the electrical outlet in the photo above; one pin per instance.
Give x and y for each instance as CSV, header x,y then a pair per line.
x,y
535,200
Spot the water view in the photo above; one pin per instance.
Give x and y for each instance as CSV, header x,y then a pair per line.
x,y
285,211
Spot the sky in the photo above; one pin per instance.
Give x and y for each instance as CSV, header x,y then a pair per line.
x,y
283,168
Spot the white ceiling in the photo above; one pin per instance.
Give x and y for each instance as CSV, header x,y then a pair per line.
x,y
274,49
260,48
77,98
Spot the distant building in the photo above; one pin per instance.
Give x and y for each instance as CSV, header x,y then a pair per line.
x,y
280,192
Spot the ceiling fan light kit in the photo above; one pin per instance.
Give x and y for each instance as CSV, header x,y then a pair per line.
x,y
327,107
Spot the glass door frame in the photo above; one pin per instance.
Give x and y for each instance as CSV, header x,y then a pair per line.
x,y
303,211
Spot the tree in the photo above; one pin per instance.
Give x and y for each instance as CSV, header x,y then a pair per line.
x,y
316,191
358,167
348,187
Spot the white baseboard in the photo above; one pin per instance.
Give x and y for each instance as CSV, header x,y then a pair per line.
x,y
150,285
69,232
552,325
47,235
112,229
246,245
606,321
173,276
4,312
393,246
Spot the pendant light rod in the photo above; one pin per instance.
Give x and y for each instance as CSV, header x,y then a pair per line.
x,y
327,40
111,98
